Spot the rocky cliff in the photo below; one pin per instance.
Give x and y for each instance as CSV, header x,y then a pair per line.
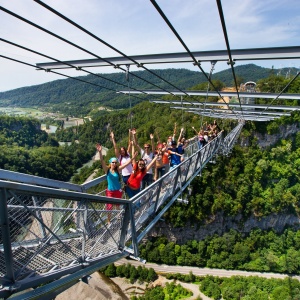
x,y
221,224
267,140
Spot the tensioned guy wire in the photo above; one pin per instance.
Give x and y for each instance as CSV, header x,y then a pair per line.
x,y
103,42
75,45
54,72
196,63
47,56
230,62
129,98
206,98
291,81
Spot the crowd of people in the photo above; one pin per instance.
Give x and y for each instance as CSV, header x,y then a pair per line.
x,y
134,167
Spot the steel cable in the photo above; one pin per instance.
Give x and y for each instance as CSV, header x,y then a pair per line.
x,y
196,63
75,45
47,56
103,42
230,62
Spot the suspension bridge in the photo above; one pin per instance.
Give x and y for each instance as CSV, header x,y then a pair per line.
x,y
57,231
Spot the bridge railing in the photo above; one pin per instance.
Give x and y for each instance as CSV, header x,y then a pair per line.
x,y
231,138
51,228
166,190
47,232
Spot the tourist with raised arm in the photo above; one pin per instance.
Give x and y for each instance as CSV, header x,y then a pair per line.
x,y
113,177
175,156
160,168
147,155
139,171
123,155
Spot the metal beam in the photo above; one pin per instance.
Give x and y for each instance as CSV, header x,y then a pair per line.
x,y
215,94
236,117
31,179
183,57
246,119
231,105
264,112
63,283
252,117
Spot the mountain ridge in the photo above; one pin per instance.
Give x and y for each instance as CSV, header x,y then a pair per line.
x,y
66,95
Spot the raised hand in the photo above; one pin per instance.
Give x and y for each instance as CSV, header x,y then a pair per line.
x,y
133,131
99,147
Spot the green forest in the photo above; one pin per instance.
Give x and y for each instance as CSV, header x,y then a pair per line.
x,y
242,288
233,288
25,148
261,251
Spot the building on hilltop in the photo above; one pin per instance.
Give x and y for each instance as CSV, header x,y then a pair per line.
x,y
248,87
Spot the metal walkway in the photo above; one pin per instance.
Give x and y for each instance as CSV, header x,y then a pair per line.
x,y
57,232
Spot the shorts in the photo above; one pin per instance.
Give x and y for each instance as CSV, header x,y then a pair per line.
x,y
112,194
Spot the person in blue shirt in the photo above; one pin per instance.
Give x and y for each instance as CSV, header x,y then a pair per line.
x,y
113,176
175,156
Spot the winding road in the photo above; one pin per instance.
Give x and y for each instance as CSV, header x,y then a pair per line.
x,y
204,271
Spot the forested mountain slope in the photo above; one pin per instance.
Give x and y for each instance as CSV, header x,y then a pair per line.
x,y
25,148
77,98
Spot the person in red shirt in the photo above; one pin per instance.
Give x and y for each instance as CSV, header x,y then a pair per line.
x,y
140,169
160,168
165,158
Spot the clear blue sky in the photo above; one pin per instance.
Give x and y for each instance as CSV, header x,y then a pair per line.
x,y
135,27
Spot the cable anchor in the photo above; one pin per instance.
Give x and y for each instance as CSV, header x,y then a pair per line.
x,y
231,62
198,63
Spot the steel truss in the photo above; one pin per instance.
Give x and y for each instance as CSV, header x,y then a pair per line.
x,y
181,57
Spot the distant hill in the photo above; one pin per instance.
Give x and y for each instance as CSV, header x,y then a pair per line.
x,y
76,98
249,72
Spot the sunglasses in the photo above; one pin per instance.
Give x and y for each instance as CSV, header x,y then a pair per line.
x,y
114,162
142,165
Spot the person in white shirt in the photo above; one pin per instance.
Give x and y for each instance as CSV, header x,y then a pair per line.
x,y
123,157
147,155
